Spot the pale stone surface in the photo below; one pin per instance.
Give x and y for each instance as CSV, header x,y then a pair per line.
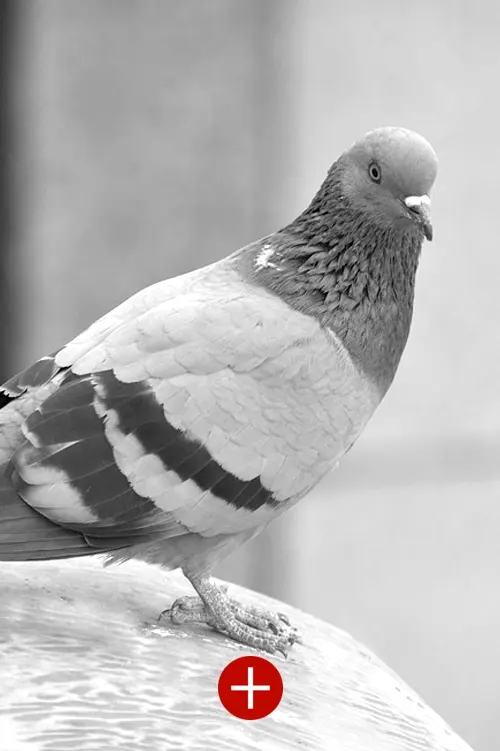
x,y
84,665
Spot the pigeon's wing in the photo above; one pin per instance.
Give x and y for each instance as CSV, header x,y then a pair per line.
x,y
200,406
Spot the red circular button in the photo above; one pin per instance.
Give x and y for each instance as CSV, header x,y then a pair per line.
x,y
250,687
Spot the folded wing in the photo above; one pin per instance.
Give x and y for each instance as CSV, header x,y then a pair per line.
x,y
192,409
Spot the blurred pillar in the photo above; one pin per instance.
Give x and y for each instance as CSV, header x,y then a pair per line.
x,y
9,17
153,142
151,148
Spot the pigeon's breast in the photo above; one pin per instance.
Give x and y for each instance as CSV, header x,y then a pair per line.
x,y
334,399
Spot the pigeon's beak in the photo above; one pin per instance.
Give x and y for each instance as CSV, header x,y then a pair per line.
x,y
420,211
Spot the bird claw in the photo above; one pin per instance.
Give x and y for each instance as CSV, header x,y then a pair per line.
x,y
186,609
260,618
254,626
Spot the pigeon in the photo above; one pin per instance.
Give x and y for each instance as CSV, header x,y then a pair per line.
x,y
177,426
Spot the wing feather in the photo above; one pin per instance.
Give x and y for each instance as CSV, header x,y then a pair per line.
x,y
201,405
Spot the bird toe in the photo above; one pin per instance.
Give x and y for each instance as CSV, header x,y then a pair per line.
x,y
185,610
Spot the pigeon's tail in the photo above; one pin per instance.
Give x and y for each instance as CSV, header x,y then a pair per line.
x,y
26,535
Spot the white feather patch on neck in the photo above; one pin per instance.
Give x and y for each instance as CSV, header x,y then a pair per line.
x,y
263,259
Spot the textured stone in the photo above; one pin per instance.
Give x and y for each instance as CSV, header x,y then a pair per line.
x,y
85,665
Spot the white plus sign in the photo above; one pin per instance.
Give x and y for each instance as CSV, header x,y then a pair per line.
x,y
250,687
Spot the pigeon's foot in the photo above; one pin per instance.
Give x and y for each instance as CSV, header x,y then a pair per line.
x,y
253,626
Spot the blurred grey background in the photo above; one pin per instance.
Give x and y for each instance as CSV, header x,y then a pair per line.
x,y
142,138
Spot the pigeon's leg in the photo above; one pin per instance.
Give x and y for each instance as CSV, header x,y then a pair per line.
x,y
255,627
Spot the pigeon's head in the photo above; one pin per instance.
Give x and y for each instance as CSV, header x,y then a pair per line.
x,y
389,174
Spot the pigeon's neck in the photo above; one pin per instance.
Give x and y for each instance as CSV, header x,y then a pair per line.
x,y
356,278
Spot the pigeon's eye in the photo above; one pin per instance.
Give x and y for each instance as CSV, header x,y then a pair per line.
x,y
375,172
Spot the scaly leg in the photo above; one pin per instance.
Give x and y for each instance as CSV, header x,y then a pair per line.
x,y
253,626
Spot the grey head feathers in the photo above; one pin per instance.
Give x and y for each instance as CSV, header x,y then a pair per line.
x,y
350,259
